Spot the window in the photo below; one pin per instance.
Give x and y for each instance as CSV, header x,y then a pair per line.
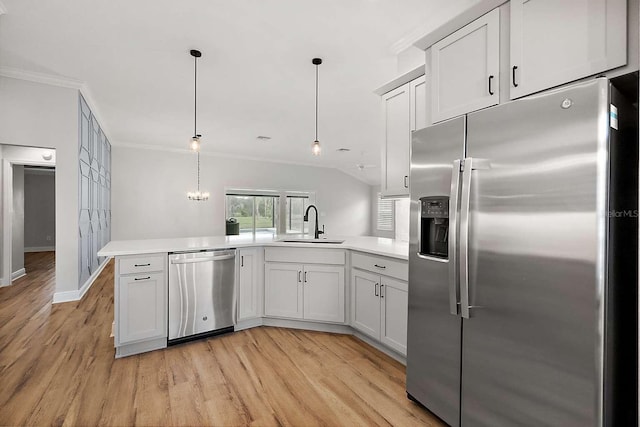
x,y
296,206
385,214
262,212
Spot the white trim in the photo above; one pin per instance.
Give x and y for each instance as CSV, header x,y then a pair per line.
x,y
36,77
40,249
66,296
216,154
400,80
3,9
77,295
452,25
18,274
60,81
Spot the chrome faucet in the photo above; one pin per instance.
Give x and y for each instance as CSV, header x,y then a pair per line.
x,y
317,232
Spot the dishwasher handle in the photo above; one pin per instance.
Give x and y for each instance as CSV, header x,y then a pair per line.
x,y
202,259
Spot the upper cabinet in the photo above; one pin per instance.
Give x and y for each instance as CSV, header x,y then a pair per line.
x,y
555,42
465,69
404,110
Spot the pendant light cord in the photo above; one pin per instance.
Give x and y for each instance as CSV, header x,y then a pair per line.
x,y
195,96
198,171
316,102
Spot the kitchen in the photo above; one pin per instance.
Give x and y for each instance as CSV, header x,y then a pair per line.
x,y
364,305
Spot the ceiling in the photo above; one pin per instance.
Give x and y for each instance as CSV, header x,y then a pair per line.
x,y
255,76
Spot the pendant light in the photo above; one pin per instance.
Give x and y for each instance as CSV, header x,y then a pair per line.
x,y
315,147
195,139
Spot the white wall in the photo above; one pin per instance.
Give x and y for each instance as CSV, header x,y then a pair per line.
x,y
149,193
39,210
17,220
34,114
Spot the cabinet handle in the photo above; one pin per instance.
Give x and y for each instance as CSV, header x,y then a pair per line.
x,y
376,290
490,89
305,277
379,266
241,260
406,183
141,265
142,278
381,289
513,75
299,276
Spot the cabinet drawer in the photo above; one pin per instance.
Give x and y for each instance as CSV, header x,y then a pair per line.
x,y
142,264
305,255
381,265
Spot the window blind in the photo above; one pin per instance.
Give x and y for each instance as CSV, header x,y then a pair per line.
x,y
385,214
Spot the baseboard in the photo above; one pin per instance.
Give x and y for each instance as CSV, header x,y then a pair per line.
x,y
248,324
18,274
40,249
309,326
77,295
379,346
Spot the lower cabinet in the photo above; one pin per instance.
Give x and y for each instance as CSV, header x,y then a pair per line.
x,y
308,292
380,308
249,292
141,301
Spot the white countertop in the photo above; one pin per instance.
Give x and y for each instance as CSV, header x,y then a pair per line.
x,y
374,245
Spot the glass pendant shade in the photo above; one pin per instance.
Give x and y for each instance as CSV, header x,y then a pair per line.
x,y
315,148
195,143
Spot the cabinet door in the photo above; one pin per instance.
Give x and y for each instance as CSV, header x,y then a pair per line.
x,y
397,124
418,108
555,42
365,297
283,290
324,293
394,304
465,69
248,285
142,307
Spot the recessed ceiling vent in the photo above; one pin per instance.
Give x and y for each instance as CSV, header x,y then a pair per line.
x,y
263,137
343,150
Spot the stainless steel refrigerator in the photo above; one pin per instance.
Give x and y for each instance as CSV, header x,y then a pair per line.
x,y
523,262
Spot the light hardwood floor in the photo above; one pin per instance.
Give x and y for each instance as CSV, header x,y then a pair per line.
x,y
57,367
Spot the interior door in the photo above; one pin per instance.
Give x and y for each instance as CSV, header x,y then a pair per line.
x,y
434,332
531,349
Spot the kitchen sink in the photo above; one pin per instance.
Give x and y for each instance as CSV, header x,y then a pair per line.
x,y
302,240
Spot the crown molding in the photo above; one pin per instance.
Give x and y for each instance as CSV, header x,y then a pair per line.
x,y
36,77
152,147
59,81
3,8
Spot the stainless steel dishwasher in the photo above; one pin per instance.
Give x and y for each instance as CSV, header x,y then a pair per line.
x,y
201,294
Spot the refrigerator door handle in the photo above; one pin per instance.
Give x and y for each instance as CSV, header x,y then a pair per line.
x,y
454,289
470,164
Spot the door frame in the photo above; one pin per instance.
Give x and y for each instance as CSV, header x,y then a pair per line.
x,y
7,214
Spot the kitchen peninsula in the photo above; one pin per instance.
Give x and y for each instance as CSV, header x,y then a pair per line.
x,y
356,287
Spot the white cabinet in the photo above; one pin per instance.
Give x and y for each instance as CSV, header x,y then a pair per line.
x,y
379,303
309,292
555,42
323,293
141,299
394,304
366,302
465,69
306,287
404,110
283,290
249,295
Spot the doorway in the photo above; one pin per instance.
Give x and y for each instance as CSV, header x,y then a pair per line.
x,y
28,207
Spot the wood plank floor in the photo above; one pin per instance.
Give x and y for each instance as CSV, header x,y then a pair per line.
x,y
57,367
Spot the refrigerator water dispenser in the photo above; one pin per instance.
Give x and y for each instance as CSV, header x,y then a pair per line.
x,y
434,218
